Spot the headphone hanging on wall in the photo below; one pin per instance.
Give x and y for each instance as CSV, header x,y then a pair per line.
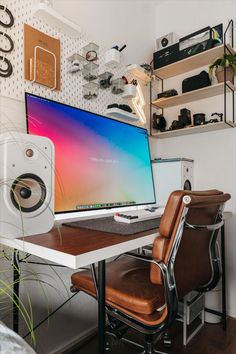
x,y
8,71
11,18
10,41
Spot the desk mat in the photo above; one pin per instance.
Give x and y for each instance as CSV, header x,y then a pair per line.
x,y
108,224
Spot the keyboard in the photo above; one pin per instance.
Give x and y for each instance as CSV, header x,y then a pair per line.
x,y
130,217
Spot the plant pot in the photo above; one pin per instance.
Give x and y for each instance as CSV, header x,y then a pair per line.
x,y
229,74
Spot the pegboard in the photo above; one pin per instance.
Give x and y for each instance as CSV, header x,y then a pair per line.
x,y
71,84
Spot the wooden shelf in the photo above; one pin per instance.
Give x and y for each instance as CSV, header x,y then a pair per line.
x,y
206,92
139,72
194,62
193,130
120,114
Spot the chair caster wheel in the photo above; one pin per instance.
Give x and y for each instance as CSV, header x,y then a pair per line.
x,y
166,340
107,348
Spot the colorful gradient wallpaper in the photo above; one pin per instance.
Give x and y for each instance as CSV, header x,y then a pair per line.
x,y
99,162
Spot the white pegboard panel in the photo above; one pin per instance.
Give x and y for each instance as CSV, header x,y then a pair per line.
x,y
71,84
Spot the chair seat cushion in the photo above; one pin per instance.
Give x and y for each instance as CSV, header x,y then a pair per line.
x,y
127,285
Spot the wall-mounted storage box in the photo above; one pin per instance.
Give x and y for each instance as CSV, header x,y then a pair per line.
x,y
112,58
129,91
90,71
118,86
75,63
90,51
104,80
90,90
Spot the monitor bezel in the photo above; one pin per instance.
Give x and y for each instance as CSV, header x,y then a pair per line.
x,y
100,115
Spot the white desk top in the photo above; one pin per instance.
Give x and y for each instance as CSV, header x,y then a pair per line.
x,y
76,247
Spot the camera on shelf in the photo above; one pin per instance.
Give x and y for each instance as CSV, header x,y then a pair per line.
x,y
199,118
185,117
168,93
158,122
176,124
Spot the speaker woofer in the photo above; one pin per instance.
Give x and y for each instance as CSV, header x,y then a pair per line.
x,y
28,192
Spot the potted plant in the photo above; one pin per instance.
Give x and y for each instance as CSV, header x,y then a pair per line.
x,y
226,62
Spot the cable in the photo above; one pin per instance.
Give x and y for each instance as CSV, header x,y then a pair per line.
x,y
11,18
8,71
10,41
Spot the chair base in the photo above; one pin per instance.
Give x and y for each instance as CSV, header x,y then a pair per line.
x,y
147,348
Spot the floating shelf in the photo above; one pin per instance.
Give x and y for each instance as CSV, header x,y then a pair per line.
x,y
120,113
139,72
47,14
194,62
193,130
195,95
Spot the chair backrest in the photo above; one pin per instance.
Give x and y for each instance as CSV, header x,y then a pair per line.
x,y
193,267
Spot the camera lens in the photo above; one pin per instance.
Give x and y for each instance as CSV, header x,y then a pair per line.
x,y
164,42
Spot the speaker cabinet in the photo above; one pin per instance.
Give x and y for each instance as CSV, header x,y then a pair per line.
x,y
27,185
166,41
170,175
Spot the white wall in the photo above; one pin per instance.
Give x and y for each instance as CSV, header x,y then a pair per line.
x,y
214,153
115,22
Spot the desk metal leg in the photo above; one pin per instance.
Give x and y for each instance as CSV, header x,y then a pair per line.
x,y
101,307
16,286
223,277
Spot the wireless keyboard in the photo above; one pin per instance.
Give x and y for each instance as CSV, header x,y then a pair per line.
x,y
130,217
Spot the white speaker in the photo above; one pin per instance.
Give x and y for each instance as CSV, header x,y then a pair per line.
x,y
170,175
166,41
26,185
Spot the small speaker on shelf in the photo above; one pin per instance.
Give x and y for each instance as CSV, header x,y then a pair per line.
x,y
27,185
167,40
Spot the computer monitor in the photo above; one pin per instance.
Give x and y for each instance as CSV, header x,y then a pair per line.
x,y
100,162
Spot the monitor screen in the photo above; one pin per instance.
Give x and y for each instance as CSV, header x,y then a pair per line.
x,y
100,162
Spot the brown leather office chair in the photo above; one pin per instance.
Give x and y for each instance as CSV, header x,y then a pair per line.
x,y
142,291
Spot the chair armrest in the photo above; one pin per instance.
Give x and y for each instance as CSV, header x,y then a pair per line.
x,y
143,257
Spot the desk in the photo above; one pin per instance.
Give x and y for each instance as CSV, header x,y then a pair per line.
x,y
75,248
